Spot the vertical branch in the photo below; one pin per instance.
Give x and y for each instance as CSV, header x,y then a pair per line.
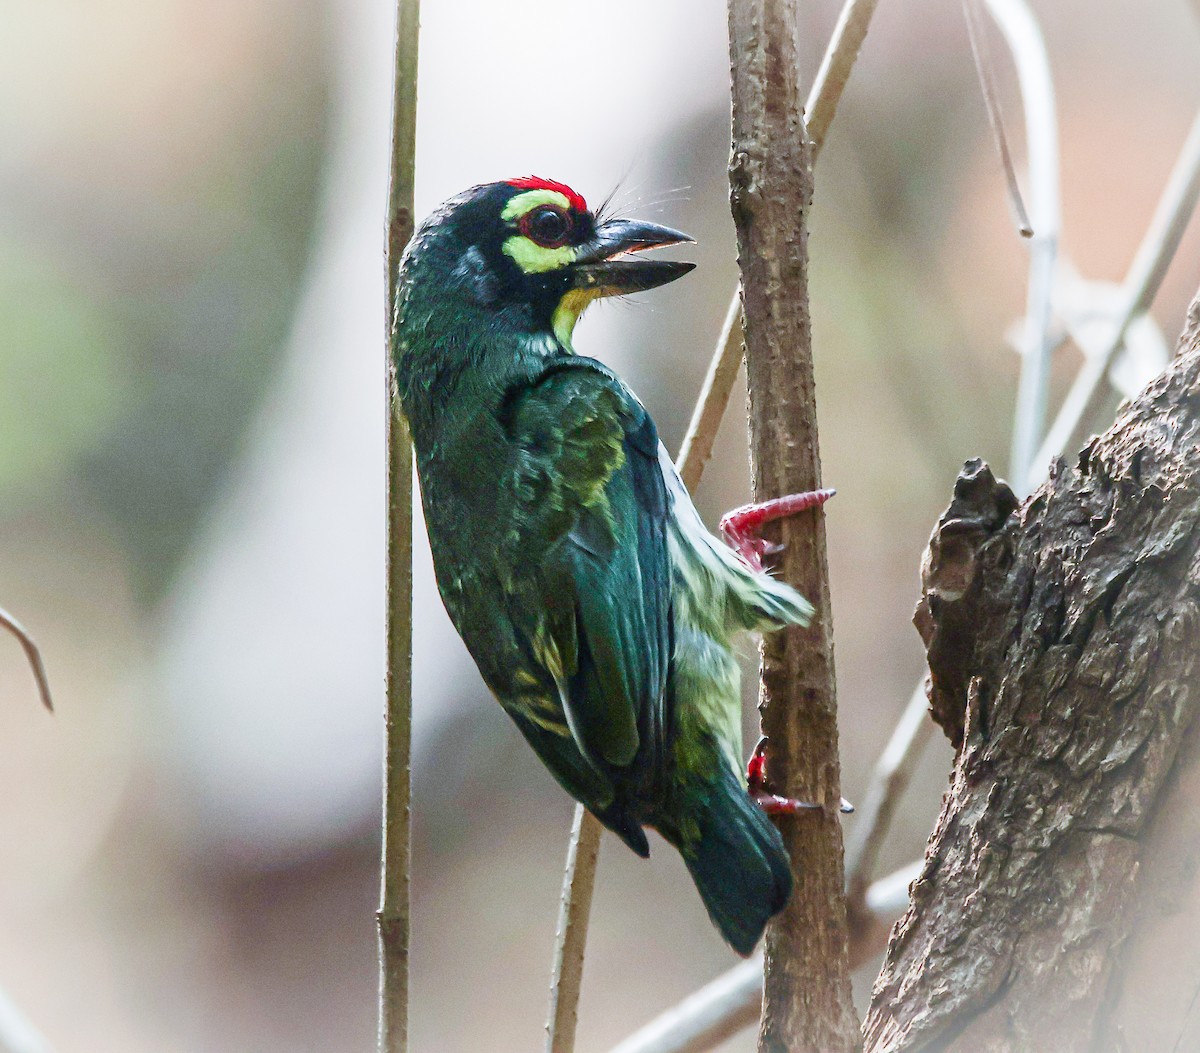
x,y
393,917
402,174
823,99
580,876
579,882
806,994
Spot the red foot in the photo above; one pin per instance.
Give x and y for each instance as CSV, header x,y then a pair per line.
x,y
756,783
741,526
773,804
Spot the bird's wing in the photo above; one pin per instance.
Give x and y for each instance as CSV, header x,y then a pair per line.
x,y
591,586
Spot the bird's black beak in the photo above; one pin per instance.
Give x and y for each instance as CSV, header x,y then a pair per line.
x,y
600,269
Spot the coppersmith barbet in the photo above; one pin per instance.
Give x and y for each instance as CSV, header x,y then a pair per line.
x,y
568,553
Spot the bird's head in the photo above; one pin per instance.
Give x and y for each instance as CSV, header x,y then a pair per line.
x,y
532,249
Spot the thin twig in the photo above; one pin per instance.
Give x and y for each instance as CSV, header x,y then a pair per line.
x,y
17,1034
890,778
32,655
991,100
888,897
714,398
721,1009
1023,36
402,172
1141,284
707,1017
393,916
834,71
579,882
828,86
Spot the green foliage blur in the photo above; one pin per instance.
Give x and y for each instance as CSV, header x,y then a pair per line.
x,y
142,326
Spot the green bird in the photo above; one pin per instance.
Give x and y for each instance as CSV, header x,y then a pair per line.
x,y
598,607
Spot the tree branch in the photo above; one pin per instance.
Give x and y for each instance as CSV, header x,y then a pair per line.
x,y
32,655
830,82
1154,254
17,1034
707,1017
579,882
393,916
732,1001
889,780
1064,650
714,398
806,996
834,71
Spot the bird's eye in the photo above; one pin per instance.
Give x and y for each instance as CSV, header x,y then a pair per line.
x,y
548,226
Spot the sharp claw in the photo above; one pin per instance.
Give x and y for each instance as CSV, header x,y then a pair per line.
x,y
773,804
750,550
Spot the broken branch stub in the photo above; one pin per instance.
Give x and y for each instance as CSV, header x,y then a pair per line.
x,y
969,543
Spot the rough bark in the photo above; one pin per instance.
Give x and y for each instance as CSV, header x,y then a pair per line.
x,y
806,997
1060,882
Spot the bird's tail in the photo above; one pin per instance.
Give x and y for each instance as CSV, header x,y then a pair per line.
x,y
738,861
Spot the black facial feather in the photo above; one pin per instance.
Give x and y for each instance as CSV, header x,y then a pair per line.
x,y
476,276
488,273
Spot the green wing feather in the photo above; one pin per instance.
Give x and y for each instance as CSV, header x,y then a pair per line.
x,y
590,583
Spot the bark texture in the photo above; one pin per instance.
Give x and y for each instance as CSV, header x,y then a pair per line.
x,y
1056,909
806,997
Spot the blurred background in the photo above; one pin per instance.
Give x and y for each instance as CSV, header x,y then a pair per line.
x,y
191,468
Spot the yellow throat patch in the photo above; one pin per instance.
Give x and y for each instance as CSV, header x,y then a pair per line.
x,y
567,313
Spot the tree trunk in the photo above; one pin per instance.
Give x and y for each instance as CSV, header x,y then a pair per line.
x,y
806,996
1058,904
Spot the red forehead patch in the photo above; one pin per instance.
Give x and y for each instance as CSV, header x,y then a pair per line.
x,y
537,183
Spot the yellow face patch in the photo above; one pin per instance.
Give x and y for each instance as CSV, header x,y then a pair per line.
x,y
531,257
